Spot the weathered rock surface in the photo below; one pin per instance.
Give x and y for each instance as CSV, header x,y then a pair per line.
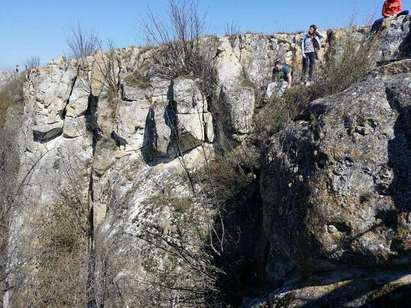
x,y
396,41
336,189
349,200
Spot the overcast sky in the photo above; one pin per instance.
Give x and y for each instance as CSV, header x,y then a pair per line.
x,y
40,27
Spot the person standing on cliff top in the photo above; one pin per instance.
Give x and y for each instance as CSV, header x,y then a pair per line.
x,y
390,9
310,44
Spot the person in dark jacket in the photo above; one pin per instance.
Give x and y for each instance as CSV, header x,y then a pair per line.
x,y
309,45
281,79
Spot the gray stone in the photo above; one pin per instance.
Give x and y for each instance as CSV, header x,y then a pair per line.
x,y
78,103
241,102
188,97
74,127
396,39
344,172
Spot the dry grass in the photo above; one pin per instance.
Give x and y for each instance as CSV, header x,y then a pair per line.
x,y
179,204
221,179
5,103
55,273
138,80
10,94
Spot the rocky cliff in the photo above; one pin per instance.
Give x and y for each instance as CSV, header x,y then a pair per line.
x,y
320,216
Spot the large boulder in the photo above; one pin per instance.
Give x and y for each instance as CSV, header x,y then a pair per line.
x,y
336,187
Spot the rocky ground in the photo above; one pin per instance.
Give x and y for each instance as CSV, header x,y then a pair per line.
x,y
323,219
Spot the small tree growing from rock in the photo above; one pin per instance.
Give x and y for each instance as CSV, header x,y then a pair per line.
x,y
82,44
181,42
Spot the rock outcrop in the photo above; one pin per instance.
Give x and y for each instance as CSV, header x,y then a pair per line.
x,y
347,199
333,195
336,192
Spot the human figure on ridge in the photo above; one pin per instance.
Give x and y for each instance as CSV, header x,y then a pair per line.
x,y
390,9
310,44
281,79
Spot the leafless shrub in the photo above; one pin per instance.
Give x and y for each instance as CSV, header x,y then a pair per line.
x,y
172,260
99,66
137,79
185,250
347,63
32,63
180,40
82,44
5,103
183,52
11,269
54,248
11,96
221,178
232,29
109,68
8,170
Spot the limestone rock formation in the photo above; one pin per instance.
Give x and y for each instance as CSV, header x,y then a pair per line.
x,y
334,194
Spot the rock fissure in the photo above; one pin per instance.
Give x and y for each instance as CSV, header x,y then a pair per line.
x,y
94,129
64,112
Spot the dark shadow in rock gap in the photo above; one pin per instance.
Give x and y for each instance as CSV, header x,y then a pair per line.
x,y
405,47
91,119
150,140
399,148
243,249
378,290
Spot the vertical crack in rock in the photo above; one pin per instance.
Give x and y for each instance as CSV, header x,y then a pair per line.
x,y
92,126
64,112
91,290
